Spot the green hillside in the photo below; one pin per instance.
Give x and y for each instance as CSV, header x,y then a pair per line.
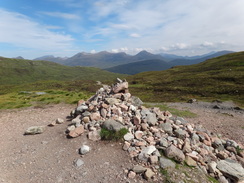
x,y
18,71
218,78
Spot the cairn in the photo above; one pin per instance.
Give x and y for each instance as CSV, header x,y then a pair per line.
x,y
152,132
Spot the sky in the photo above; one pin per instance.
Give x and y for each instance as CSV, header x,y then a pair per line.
x,y
34,28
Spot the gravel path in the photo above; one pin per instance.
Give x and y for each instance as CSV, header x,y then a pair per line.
x,y
50,157
221,118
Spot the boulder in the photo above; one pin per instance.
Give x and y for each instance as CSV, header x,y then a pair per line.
x,y
34,130
113,125
231,169
175,153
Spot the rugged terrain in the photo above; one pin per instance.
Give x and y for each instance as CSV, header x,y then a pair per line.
x,y
51,157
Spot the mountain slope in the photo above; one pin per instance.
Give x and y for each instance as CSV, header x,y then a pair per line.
x,y
18,71
105,59
197,59
101,60
51,58
141,66
217,78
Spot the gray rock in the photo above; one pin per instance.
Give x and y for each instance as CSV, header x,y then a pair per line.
x,y
145,112
113,125
78,162
59,120
231,143
180,133
81,108
166,127
34,130
139,169
175,153
151,118
70,128
111,101
86,114
231,169
182,120
84,149
128,137
217,144
148,150
94,135
163,142
195,137
212,167
135,101
166,163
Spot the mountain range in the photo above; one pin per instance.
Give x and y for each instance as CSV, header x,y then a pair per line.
x,y
122,62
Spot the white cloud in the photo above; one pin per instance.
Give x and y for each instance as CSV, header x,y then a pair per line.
x,y
134,35
93,51
68,16
20,31
206,43
176,25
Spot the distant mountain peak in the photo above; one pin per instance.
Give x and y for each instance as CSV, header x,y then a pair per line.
x,y
19,57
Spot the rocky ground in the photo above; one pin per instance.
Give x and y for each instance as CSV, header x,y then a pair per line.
x,y
51,157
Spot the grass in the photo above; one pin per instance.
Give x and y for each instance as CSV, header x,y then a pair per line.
x,y
26,99
218,78
213,180
28,71
113,135
176,112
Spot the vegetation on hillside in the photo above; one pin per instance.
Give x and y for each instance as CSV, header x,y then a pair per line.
x,y
218,78
19,71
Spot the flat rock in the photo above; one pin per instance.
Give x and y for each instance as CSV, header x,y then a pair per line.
x,y
190,162
231,169
94,135
128,137
139,169
77,131
113,125
34,130
166,163
148,150
78,162
111,101
167,127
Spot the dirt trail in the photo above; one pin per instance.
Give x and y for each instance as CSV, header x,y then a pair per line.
x,y
221,118
49,157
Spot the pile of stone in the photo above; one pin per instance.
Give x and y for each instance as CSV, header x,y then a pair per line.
x,y
156,136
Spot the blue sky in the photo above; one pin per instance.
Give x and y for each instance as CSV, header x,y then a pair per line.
x,y
33,28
